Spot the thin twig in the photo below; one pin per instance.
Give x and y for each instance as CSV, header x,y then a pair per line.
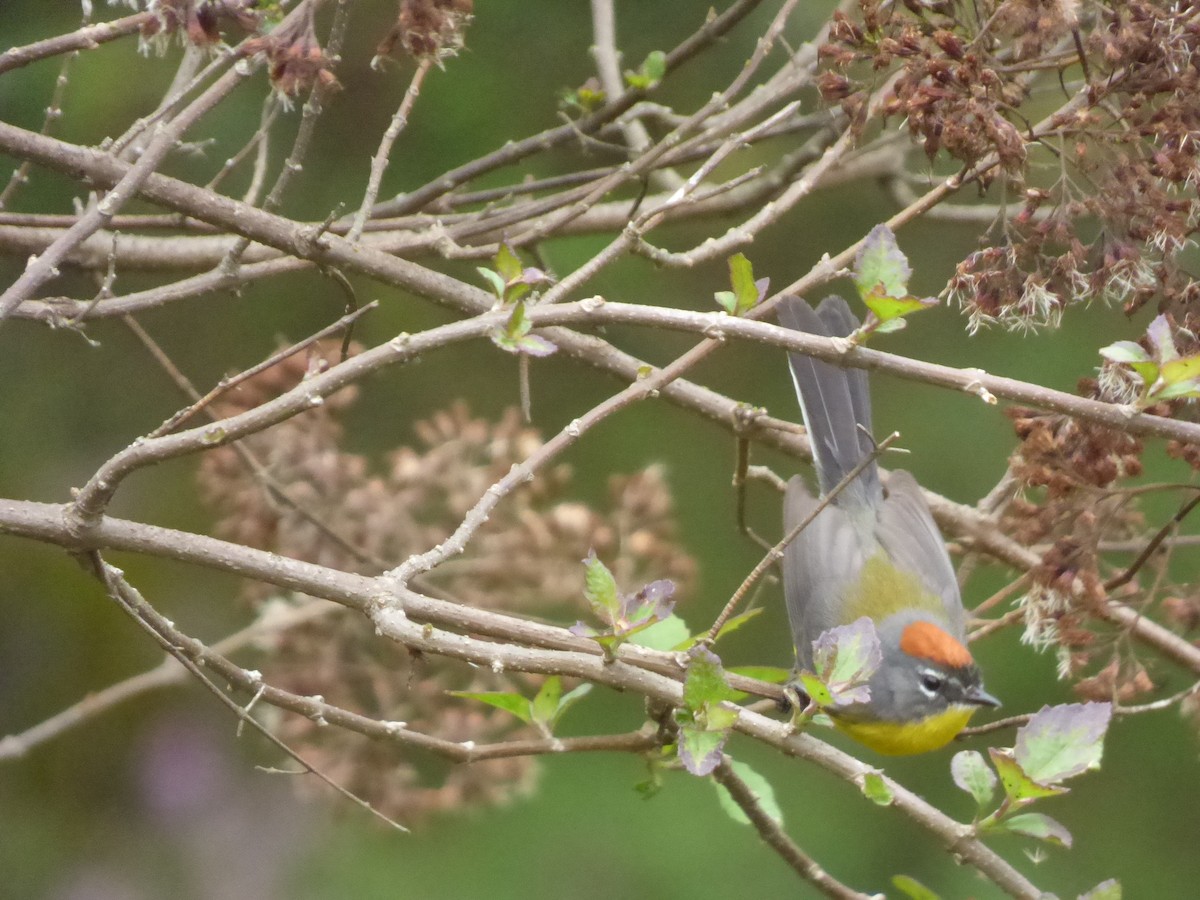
x,y
776,838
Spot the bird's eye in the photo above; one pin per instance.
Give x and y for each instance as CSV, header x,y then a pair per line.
x,y
931,682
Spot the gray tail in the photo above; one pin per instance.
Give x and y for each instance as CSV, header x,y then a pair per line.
x,y
835,402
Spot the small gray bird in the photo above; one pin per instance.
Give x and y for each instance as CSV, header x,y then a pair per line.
x,y
875,551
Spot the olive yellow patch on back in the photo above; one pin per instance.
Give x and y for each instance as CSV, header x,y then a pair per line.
x,y
924,640
882,589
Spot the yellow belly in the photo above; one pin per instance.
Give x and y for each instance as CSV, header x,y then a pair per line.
x,y
902,738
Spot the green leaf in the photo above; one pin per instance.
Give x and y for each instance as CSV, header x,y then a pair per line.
x,y
667,634
650,73
1018,786
705,682
1174,391
876,790
600,588
509,702
570,698
508,264
815,688
1060,742
763,793
971,773
880,268
655,66
845,658
534,345
492,278
913,888
703,722
700,750
544,706
1105,890
891,310
733,623
1037,825
1125,352
746,291
730,626
1185,368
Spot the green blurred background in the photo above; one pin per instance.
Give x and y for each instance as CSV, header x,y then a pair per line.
x,y
160,799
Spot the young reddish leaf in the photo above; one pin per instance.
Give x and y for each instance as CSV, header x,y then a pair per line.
x,y
971,773
1037,825
1062,741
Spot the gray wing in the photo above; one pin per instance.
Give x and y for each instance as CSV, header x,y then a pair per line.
x,y
817,566
909,535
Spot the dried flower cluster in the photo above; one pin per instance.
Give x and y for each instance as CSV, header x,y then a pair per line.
x,y
295,59
1112,199
197,21
428,29
526,558
1068,470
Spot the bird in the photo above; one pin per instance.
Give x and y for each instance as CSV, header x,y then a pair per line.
x,y
873,551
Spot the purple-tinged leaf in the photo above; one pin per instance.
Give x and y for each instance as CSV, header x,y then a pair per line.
x,y
880,267
700,750
972,774
1038,825
1060,742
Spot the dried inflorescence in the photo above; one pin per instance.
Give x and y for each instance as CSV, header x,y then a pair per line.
x,y
198,21
947,91
1068,470
428,29
295,58
526,558
1124,159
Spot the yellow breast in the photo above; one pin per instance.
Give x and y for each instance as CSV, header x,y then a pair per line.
x,y
903,738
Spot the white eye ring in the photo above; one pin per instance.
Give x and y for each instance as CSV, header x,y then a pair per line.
x,y
931,682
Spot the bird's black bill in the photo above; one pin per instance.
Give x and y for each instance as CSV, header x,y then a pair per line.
x,y
979,697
